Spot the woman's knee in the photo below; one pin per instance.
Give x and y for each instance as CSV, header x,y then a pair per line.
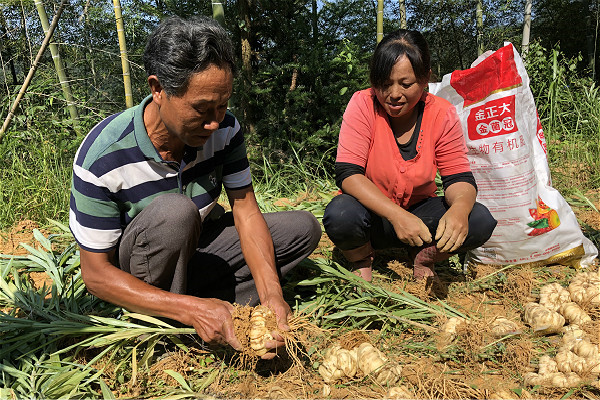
x,y
346,221
481,225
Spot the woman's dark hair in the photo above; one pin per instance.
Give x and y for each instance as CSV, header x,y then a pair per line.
x,y
400,43
179,48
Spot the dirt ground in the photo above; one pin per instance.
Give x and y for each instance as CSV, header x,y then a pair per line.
x,y
471,363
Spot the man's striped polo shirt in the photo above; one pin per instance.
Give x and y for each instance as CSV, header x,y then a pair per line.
x,y
117,172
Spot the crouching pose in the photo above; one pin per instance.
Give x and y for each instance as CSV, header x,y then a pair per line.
x,y
144,196
394,138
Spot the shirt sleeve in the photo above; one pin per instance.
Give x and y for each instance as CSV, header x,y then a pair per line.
x,y
356,130
344,170
451,149
94,218
236,168
460,177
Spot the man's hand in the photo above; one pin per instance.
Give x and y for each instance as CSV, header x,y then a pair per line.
x,y
210,317
410,229
212,320
282,312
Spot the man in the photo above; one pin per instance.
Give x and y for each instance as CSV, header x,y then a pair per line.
x,y
144,191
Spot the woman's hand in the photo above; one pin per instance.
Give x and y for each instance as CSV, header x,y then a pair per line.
x,y
410,229
452,229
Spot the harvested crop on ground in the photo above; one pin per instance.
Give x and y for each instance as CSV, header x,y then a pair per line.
x,y
480,337
254,326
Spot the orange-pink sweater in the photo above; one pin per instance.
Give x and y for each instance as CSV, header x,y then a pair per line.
x,y
366,139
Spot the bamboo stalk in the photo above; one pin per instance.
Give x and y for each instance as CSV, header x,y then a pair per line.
x,y
403,23
33,68
526,28
218,12
379,20
58,64
123,51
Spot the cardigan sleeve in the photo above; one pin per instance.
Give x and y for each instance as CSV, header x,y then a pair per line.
x,y
356,130
450,148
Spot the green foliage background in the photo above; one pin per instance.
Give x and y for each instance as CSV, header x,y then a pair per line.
x,y
307,59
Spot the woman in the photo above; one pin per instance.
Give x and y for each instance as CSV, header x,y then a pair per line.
x,y
394,138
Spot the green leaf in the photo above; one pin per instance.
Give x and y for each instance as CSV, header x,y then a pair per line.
x,y
147,318
179,378
206,382
106,392
43,240
343,90
539,224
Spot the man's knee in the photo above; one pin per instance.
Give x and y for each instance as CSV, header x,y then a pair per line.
x,y
309,227
298,229
175,210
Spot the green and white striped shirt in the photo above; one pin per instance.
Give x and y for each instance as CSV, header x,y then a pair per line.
x,y
117,172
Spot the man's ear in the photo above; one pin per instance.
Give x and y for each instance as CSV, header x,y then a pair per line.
x,y
156,89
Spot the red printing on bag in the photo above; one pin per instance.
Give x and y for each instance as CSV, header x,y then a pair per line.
x,y
494,118
540,134
493,74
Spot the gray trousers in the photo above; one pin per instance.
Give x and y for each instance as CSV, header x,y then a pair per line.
x,y
168,246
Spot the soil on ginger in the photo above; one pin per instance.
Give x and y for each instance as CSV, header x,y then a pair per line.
x,y
474,365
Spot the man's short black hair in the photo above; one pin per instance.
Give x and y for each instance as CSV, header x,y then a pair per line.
x,y
179,48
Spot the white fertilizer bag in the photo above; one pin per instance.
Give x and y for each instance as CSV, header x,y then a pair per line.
x,y
507,152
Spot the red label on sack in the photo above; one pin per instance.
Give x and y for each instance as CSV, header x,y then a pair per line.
x,y
494,118
540,134
493,74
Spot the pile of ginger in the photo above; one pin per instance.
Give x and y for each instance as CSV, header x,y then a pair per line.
x,y
562,310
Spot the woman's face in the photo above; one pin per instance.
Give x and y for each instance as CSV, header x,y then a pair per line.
x,y
401,91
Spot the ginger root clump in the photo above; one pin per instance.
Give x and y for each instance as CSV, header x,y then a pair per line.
x,y
585,288
501,327
574,314
542,320
339,363
553,295
259,333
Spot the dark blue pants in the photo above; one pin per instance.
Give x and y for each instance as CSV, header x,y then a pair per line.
x,y
350,225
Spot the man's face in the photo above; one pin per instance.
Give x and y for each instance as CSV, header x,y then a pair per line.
x,y
195,115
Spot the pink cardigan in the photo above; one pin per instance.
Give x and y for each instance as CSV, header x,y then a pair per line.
x,y
366,139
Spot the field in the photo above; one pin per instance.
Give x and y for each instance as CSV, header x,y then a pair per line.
x,y
88,348
58,341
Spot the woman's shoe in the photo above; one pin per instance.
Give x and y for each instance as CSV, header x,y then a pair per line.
x,y
361,260
424,259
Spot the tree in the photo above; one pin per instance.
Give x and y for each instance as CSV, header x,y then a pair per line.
x,y
526,27
554,25
58,64
379,20
218,12
123,52
402,9
480,46
34,65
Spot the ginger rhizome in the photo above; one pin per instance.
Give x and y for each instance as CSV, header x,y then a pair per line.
x,y
363,360
577,359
